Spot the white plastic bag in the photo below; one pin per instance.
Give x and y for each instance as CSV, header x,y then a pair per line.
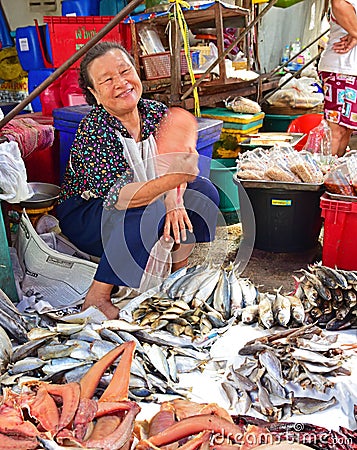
x,y
158,267
13,177
297,93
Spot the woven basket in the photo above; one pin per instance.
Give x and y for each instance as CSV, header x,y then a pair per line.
x,y
158,65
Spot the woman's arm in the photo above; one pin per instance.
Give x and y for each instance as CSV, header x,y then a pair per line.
x,y
183,169
345,15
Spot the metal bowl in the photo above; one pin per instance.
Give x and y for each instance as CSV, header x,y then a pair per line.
x,y
45,195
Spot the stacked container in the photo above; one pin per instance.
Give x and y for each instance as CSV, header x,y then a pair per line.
x,y
236,126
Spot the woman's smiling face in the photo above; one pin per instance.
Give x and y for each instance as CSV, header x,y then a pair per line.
x,y
116,84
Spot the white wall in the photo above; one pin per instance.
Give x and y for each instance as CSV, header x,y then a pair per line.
x,y
281,26
18,13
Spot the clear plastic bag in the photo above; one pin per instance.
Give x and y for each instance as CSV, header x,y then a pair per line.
x,y
13,177
304,166
159,264
319,142
297,93
278,170
338,181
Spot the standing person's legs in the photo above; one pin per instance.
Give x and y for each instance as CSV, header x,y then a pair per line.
x,y
340,108
340,138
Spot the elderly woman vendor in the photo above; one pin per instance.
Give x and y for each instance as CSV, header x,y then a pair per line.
x,y
113,204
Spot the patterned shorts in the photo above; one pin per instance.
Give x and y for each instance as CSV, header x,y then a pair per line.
x,y
340,93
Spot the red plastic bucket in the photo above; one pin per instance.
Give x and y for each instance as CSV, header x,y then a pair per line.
x,y
340,243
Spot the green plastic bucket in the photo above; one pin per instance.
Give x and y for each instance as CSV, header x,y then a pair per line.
x,y
221,175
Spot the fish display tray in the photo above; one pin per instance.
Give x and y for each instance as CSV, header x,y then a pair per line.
x,y
343,198
263,184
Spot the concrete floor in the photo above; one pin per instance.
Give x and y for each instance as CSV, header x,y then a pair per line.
x,y
267,270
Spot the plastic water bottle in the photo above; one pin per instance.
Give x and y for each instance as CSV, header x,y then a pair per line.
x,y
296,47
286,54
295,51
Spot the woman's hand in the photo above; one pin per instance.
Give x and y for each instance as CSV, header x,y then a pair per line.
x,y
177,220
345,44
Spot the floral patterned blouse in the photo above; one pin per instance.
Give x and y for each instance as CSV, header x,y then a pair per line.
x,y
97,162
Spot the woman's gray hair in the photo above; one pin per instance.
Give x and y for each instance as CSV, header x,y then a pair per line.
x,y
95,52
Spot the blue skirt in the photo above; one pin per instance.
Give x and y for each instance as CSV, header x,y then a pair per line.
x,y
123,239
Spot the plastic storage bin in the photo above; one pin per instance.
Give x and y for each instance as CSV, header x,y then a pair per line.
x,y
28,47
221,175
66,121
286,220
277,122
35,78
80,8
340,243
209,131
69,34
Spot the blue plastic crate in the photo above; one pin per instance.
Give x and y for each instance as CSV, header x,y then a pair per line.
x,y
80,8
66,121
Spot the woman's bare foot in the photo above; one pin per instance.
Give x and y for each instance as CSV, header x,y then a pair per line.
x,y
98,295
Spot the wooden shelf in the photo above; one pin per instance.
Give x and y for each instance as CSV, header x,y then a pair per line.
x,y
170,90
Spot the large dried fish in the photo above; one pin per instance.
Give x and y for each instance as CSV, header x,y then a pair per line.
x,y
281,309
309,405
266,315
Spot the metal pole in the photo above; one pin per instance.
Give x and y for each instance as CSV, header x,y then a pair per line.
x,y
67,64
228,49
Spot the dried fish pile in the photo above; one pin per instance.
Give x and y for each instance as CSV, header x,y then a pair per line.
x,y
304,356
329,297
64,352
196,300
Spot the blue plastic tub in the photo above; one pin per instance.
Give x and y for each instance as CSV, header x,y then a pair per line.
x,y
35,78
66,121
28,47
80,8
